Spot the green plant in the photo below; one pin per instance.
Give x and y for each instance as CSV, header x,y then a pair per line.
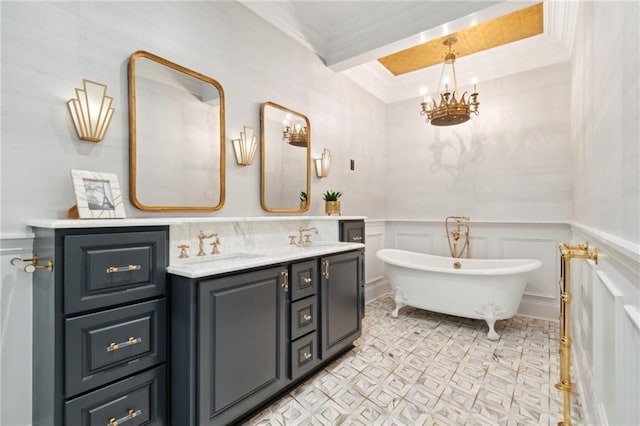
x,y
303,196
331,195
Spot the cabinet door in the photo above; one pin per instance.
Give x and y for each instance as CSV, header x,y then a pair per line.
x,y
352,231
242,343
340,298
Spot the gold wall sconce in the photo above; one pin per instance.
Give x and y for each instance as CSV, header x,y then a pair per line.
x,y
91,111
245,147
323,164
294,133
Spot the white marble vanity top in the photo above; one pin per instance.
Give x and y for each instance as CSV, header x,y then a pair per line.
x,y
160,221
196,267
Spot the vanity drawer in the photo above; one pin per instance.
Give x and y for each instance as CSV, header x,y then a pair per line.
x,y
304,314
304,279
105,346
138,400
101,270
304,355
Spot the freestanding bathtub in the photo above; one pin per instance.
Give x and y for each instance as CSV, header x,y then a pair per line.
x,y
488,289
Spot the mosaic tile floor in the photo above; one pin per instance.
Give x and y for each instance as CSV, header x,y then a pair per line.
x,y
425,368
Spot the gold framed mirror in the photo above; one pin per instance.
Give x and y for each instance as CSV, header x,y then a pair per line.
x,y
177,135
285,148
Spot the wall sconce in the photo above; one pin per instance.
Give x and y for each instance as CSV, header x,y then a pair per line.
x,y
245,147
323,164
91,111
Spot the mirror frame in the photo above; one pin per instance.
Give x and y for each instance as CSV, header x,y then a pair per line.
x,y
262,160
133,133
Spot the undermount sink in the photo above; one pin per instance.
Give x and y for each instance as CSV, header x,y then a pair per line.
x,y
221,257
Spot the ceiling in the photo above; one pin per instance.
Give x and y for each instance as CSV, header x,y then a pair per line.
x,y
351,36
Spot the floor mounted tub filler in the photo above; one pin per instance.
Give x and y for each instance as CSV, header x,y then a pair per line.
x,y
488,289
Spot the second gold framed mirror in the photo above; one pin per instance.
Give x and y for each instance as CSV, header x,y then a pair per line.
x,y
285,147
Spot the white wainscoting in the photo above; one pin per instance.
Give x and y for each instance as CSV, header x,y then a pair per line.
x,y
606,329
375,284
492,240
15,331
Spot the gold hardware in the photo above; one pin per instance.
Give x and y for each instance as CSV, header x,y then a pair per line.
x,y
33,266
114,269
215,245
306,355
306,280
462,229
183,251
201,238
568,252
115,346
292,240
131,414
306,238
457,265
284,275
325,274
356,238
306,317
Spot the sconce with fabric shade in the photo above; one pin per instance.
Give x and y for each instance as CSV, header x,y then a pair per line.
x,y
323,164
245,147
91,111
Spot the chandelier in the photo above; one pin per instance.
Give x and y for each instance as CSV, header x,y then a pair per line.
x,y
451,110
294,134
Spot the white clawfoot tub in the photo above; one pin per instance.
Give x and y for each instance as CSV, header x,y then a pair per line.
x,y
488,289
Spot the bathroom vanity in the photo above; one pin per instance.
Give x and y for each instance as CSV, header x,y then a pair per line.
x,y
127,332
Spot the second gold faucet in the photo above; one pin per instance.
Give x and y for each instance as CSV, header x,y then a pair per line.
x,y
201,237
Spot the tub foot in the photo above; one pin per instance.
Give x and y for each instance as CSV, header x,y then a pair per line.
x,y
491,313
400,300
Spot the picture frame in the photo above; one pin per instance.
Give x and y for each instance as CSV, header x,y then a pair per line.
x,y
98,195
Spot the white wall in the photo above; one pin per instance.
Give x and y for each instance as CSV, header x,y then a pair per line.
x,y
49,47
512,162
606,209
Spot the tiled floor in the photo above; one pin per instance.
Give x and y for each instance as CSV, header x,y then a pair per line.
x,y
425,368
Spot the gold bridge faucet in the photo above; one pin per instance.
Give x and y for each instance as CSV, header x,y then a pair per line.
x,y
201,237
306,238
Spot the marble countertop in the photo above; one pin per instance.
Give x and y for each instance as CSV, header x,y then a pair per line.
x,y
160,221
197,267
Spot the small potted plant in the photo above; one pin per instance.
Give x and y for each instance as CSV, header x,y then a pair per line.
x,y
331,203
303,200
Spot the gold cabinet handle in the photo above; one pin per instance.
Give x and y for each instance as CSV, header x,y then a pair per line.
x,y
306,317
325,274
306,355
115,346
357,238
131,414
284,275
113,269
306,280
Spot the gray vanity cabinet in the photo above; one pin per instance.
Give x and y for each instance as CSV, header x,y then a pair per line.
x,y
99,327
340,293
240,339
229,348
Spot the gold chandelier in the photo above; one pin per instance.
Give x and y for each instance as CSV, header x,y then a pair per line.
x,y
450,111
